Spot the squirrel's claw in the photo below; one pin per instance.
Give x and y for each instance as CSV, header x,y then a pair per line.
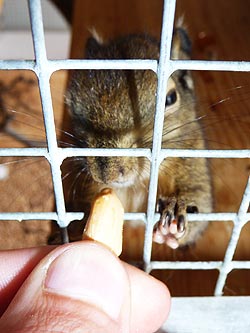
x,y
172,225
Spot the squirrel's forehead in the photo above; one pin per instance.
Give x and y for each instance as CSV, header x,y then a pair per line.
x,y
171,84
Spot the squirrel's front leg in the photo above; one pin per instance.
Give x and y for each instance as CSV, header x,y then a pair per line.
x,y
173,224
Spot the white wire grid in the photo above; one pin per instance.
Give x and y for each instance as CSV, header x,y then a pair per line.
x,y
44,68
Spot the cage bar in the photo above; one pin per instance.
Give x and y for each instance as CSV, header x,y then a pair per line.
x,y
194,65
239,222
135,152
36,21
208,314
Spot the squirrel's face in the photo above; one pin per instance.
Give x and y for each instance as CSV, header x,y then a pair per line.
x,y
119,115
115,109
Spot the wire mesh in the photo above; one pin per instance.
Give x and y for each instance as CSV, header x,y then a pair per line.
x,y
55,155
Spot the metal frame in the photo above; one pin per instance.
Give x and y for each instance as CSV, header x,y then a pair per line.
x,y
55,155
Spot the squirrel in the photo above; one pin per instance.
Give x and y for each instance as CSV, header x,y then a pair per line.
x,y
115,109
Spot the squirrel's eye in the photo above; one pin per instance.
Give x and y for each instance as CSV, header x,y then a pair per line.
x,y
171,97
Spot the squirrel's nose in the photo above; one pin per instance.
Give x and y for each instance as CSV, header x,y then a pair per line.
x,y
121,171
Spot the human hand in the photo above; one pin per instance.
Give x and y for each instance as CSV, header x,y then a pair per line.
x,y
78,287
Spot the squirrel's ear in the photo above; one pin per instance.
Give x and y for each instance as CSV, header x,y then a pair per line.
x,y
181,45
92,47
181,49
93,44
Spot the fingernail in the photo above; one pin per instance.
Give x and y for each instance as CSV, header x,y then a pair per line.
x,y
89,273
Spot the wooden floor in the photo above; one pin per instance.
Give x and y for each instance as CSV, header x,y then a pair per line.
x,y
219,30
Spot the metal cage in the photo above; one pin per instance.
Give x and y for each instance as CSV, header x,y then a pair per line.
x,y
44,68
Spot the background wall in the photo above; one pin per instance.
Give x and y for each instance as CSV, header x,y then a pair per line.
x,y
15,36
15,16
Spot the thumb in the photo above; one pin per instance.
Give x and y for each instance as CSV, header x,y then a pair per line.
x,y
80,287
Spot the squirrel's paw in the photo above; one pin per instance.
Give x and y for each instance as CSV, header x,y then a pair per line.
x,y
172,226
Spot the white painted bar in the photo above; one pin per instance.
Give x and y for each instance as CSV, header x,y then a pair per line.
x,y
208,315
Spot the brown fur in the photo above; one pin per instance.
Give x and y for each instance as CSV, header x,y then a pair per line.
x,y
115,109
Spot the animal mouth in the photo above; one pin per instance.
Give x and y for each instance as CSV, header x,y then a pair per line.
x,y
118,181
122,184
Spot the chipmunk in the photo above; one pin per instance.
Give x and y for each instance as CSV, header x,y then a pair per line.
x,y
115,109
